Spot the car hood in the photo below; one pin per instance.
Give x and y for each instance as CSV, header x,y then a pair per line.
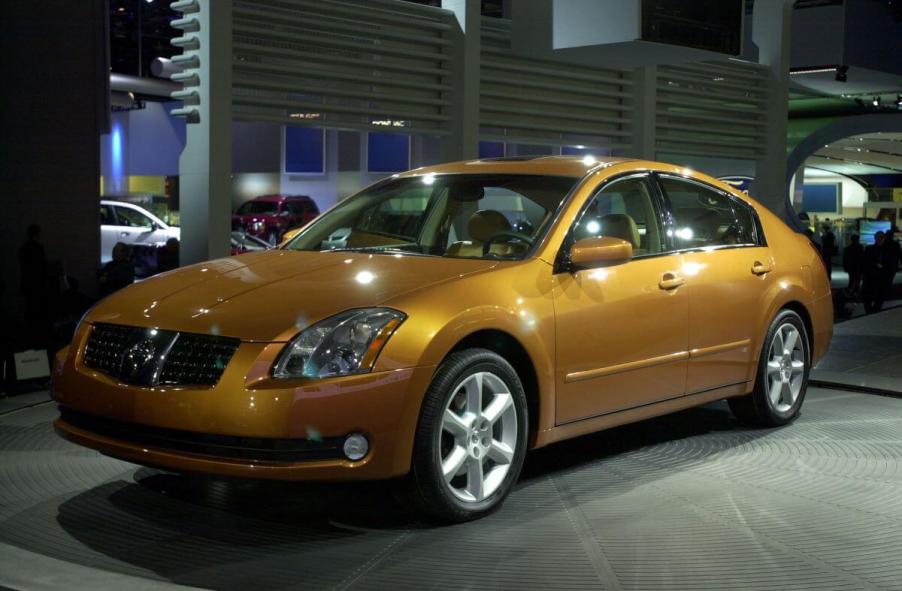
x,y
269,296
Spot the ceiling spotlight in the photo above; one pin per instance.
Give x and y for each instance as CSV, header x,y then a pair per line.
x,y
876,101
841,73
899,101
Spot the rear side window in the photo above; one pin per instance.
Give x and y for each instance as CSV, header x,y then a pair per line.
x,y
294,207
705,217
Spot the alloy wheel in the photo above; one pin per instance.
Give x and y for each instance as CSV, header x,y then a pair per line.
x,y
785,367
478,438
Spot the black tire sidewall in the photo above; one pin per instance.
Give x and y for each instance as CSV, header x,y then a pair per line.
x,y
763,404
434,494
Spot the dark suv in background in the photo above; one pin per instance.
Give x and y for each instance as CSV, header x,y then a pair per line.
x,y
269,216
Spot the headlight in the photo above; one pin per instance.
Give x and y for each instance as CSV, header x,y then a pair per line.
x,y
344,344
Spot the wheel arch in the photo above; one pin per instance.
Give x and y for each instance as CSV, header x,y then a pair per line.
x,y
512,350
800,309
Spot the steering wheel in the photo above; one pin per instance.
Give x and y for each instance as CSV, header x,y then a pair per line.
x,y
487,245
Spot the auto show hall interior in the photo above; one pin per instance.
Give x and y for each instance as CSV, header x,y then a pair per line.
x,y
185,112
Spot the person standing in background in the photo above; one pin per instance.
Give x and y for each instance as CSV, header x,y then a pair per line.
x,y
873,271
828,247
118,273
890,258
853,263
33,282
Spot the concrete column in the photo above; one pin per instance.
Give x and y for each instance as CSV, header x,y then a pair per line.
x,y
645,100
771,33
463,142
205,167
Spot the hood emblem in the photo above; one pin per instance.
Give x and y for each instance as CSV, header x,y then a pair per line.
x,y
139,361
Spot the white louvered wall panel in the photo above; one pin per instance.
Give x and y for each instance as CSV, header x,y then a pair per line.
x,y
342,64
711,109
527,100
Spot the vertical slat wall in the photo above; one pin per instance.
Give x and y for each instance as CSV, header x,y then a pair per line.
x,y
527,100
711,108
342,64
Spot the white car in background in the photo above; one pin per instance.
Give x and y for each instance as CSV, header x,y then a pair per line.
x,y
133,225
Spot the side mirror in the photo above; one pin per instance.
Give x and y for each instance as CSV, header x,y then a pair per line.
x,y
154,226
600,251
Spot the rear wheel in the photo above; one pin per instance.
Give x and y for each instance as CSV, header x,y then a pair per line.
x,y
782,375
471,439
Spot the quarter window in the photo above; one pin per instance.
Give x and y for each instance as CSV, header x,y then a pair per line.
x,y
623,209
704,217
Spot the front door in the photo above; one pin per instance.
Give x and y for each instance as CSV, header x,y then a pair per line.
x,y
621,330
727,267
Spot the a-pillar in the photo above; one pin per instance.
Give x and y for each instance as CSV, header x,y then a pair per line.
x,y
771,32
205,166
463,141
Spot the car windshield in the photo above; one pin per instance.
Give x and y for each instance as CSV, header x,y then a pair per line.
x,y
473,216
258,208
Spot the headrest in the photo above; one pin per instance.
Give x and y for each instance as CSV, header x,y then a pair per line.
x,y
620,225
486,223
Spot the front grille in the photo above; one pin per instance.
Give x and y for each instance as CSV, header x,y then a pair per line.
x,y
262,449
150,357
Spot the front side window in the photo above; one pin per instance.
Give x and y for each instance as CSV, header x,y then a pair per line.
x,y
130,217
455,215
705,217
623,209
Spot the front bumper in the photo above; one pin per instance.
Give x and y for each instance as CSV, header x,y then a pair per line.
x,y
248,425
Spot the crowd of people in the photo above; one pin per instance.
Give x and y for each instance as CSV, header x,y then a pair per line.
x,y
53,302
871,269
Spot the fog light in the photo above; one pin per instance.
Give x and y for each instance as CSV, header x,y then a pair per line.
x,y
356,446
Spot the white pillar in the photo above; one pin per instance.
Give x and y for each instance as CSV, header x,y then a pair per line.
x,y
771,32
463,141
205,166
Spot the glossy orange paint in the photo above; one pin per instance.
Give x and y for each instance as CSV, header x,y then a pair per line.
x,y
605,346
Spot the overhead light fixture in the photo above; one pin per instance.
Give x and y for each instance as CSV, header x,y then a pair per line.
x,y
899,101
876,101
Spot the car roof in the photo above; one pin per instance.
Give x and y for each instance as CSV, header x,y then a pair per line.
x,y
575,166
279,197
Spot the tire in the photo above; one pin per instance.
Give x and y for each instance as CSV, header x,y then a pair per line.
x,y
781,382
487,440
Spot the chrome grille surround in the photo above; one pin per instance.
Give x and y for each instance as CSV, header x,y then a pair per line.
x,y
151,357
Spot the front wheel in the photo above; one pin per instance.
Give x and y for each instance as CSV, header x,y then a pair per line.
x,y
471,439
782,375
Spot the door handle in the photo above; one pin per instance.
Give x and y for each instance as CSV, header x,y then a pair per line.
x,y
671,280
125,233
759,268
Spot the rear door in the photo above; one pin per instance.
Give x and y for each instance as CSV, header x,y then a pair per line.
x,y
728,266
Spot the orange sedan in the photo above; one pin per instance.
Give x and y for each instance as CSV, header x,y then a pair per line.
x,y
442,322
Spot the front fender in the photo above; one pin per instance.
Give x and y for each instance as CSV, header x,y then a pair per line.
x,y
440,317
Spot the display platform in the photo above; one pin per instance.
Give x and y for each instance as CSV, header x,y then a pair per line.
x,y
688,501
